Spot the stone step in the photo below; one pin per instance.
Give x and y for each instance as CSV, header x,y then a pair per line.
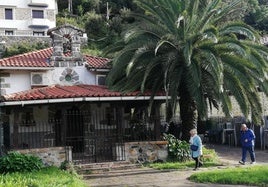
x,y
104,167
120,173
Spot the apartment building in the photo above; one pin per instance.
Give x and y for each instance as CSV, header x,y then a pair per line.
x,y
27,17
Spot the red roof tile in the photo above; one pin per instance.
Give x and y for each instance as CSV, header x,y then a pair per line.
x,y
97,62
60,92
31,59
41,57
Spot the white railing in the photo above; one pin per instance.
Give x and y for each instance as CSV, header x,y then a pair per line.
x,y
46,2
19,33
40,22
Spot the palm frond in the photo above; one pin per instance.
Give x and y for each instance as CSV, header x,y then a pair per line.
x,y
183,48
238,28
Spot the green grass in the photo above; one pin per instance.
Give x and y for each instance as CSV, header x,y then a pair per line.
x,y
252,175
210,159
47,177
247,175
180,165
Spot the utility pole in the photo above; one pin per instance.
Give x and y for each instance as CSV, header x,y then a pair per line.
x,y
70,6
107,12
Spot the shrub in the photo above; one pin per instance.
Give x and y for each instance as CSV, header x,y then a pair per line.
x,y
177,150
68,166
17,162
209,155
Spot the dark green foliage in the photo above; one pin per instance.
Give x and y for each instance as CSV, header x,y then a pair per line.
x,y
256,15
70,20
68,166
190,50
23,48
103,26
177,150
64,165
95,25
17,162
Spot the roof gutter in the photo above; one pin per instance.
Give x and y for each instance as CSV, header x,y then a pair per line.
x,y
79,99
27,68
99,69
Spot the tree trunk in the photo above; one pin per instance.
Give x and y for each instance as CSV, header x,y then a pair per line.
x,y
188,113
169,113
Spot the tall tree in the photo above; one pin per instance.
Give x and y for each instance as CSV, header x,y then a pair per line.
x,y
257,15
184,48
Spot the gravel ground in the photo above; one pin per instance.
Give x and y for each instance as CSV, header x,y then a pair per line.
x,y
147,177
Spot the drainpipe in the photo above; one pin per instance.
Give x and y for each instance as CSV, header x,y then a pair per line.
x,y
16,128
1,117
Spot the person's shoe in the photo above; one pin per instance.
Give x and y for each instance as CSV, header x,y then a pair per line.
x,y
241,162
253,162
195,169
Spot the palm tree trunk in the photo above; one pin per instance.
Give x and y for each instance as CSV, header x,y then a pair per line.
x,y
188,113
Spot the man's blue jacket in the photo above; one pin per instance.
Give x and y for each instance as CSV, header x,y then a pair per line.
x,y
250,136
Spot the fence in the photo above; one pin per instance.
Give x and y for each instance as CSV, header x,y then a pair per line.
x,y
90,140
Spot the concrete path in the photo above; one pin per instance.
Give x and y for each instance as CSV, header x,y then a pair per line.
x,y
147,177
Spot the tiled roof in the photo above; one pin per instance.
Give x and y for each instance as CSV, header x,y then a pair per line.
x,y
41,57
97,62
32,59
61,92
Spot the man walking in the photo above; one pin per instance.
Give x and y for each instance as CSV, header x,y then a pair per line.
x,y
247,142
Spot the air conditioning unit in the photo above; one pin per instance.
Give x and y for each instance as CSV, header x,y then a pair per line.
x,y
38,79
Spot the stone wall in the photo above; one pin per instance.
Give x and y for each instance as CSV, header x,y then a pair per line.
x,y
7,41
151,151
236,111
11,40
50,156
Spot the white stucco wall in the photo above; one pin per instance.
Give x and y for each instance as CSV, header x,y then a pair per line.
x,y
24,3
84,76
11,85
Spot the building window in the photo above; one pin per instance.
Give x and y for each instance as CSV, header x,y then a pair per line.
x,y
100,79
38,14
8,13
38,33
9,32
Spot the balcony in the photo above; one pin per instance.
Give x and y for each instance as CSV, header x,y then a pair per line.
x,y
39,23
39,3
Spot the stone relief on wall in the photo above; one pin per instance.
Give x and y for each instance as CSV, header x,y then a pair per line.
x,y
69,76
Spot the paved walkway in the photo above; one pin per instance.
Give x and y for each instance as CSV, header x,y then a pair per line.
x,y
147,177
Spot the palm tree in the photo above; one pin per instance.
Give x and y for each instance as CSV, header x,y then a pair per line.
x,y
184,48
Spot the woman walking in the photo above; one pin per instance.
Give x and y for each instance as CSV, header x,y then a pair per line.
x,y
196,148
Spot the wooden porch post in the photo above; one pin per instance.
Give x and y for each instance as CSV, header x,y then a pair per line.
x,y
119,120
16,129
157,121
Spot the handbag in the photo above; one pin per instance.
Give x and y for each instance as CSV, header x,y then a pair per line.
x,y
194,147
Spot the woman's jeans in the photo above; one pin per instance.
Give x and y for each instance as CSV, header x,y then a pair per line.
x,y
251,151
